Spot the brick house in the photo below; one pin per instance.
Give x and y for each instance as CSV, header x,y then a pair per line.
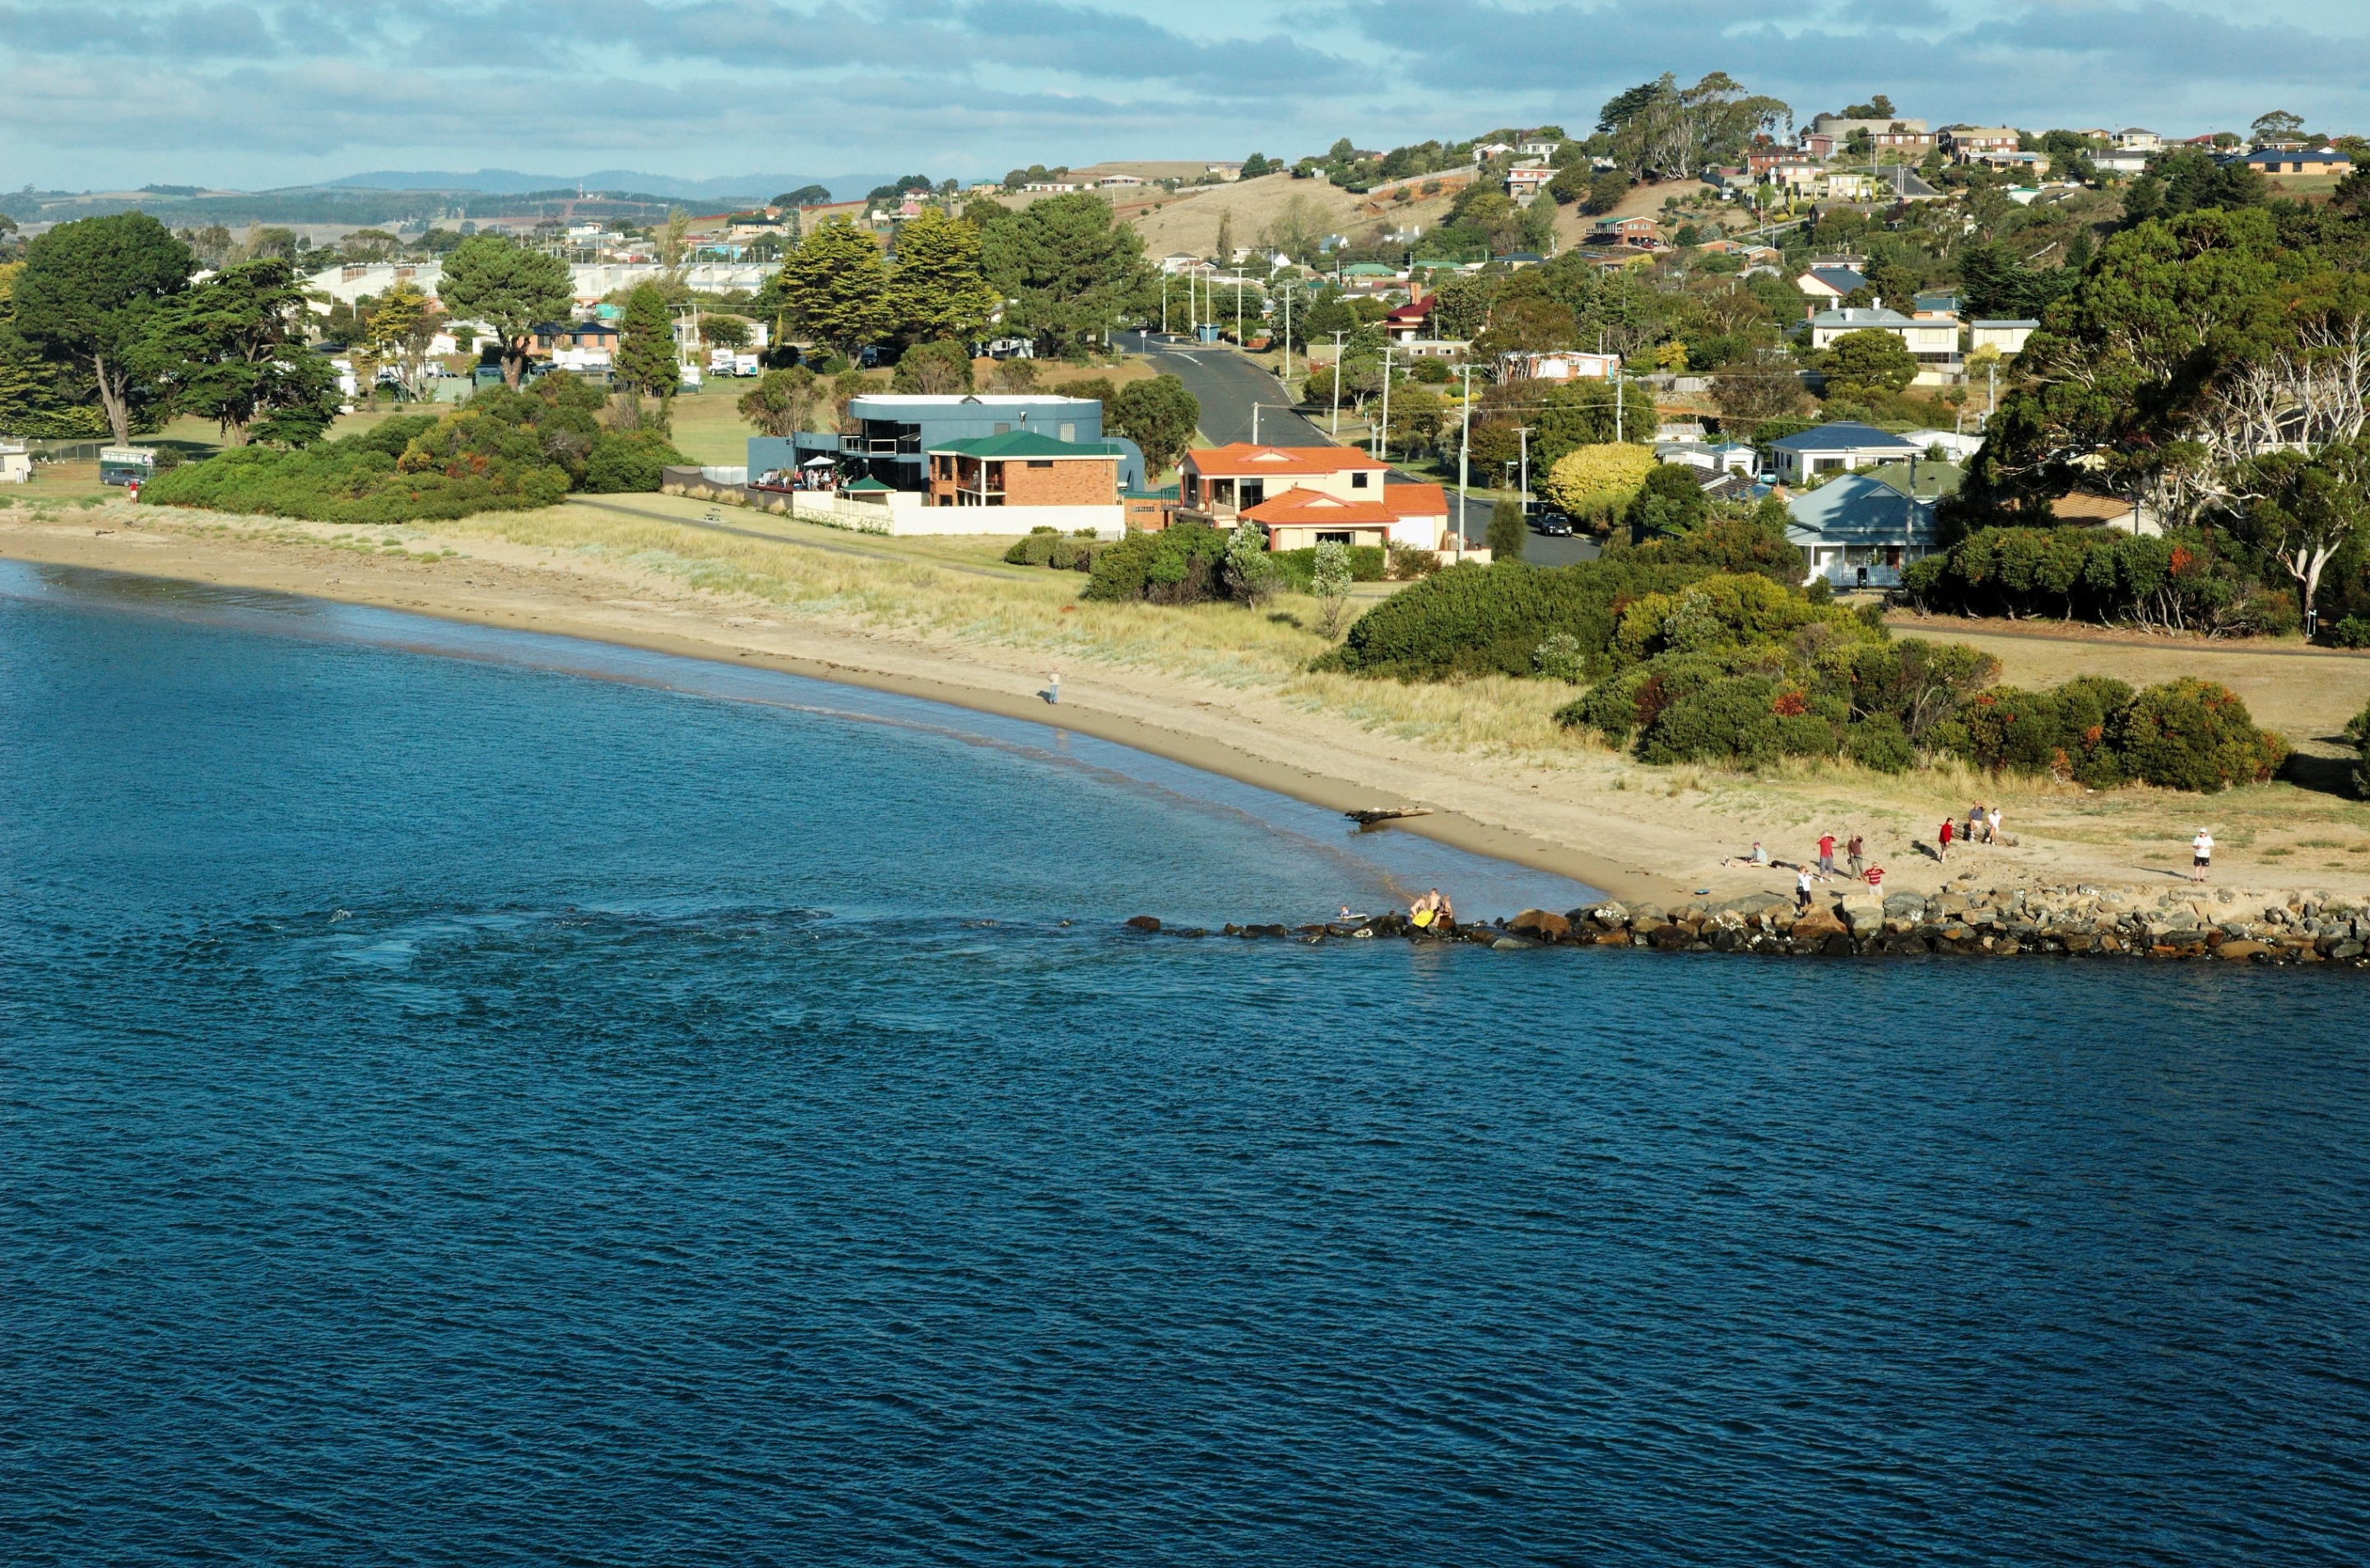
x,y
1022,468
1639,232
1978,143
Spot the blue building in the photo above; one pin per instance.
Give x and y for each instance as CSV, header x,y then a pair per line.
x,y
895,432
1857,531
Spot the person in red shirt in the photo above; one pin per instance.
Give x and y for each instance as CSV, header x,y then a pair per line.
x,y
1944,853
1826,854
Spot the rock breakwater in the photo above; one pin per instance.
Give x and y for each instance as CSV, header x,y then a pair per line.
x,y
2225,925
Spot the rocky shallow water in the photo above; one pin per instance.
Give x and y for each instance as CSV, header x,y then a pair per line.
x,y
2225,924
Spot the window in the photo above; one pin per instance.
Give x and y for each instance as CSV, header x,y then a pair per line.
x,y
1004,430
1358,481
1041,462
1069,432
1327,538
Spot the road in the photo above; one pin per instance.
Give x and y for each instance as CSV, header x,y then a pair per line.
x,y
1227,386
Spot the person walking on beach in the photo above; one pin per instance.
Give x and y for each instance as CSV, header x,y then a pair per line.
x,y
1803,891
1852,852
1826,854
2201,855
1943,853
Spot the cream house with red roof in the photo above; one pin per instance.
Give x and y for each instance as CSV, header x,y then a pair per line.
x,y
1415,516
1303,495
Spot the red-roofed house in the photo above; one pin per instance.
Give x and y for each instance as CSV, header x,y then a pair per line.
x,y
1223,480
1409,322
1412,515
1301,494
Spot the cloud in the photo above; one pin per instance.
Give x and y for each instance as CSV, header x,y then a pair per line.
x,y
270,92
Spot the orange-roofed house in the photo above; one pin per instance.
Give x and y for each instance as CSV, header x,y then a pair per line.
x,y
1224,480
1412,515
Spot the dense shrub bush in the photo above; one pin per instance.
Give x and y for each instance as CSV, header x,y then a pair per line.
x,y
1368,562
1477,619
2354,631
1062,552
2062,730
1180,564
500,451
2187,580
1879,742
1755,543
2191,734
1728,610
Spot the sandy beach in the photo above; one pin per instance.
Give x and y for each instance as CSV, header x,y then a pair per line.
x,y
1562,805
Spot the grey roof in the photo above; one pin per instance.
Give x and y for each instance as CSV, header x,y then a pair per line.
x,y
1861,315
1842,279
1843,435
1853,509
2005,321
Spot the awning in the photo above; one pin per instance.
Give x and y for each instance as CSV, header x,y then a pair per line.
x,y
819,463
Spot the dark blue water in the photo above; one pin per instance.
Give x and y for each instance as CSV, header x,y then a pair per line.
x,y
457,1110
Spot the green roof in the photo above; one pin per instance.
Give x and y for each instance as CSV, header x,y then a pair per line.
x,y
1023,443
866,483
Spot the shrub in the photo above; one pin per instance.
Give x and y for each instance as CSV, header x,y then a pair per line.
x,y
1589,480
1725,611
1179,565
1044,547
1368,562
2185,581
2357,730
1560,658
1733,719
500,451
1755,543
1878,741
2352,632
622,462
1473,620
2193,734
1669,502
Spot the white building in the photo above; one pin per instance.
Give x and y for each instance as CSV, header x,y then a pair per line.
x,y
1935,343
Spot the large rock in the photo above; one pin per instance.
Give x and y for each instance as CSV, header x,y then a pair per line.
x,y
1605,916
1817,926
1546,926
1864,913
2239,949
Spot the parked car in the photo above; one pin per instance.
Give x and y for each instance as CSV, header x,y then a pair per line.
x,y
1553,523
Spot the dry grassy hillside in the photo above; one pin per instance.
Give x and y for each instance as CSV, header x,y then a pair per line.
x,y
1572,226
1191,223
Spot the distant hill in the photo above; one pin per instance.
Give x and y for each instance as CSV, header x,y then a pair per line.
x,y
736,189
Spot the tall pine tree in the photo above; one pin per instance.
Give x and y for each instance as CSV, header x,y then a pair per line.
x,y
938,290
645,362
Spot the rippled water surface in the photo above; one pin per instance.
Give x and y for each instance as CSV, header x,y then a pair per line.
x,y
467,1100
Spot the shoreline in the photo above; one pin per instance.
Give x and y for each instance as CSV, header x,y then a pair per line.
x,y
1637,834
1443,825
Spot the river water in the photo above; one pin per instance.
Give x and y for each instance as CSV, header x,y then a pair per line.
x,y
474,1098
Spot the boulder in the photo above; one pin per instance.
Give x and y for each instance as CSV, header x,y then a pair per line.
x,y
1816,926
1540,923
1864,913
1903,906
2239,949
1608,917
1142,922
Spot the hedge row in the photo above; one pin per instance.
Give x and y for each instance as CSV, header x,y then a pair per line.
x,y
1473,620
2185,581
500,451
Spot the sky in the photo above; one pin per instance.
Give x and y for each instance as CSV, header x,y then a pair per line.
x,y
121,93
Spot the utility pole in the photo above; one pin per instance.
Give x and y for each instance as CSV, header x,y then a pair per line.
x,y
1338,335
1620,383
1463,453
1383,430
1990,377
1164,305
1522,433
1239,307
1255,409
1287,291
